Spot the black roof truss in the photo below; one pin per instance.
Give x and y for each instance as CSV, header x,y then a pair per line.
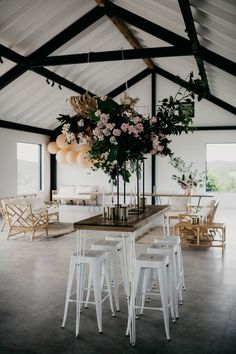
x,y
181,45
192,34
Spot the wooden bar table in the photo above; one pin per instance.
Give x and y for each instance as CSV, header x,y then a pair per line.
x,y
127,229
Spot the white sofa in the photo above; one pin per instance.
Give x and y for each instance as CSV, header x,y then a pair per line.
x,y
75,194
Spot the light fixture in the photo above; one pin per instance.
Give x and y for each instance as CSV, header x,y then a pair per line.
x,y
47,81
1,60
53,83
59,86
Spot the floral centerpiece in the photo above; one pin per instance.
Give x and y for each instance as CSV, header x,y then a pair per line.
x,y
119,136
188,177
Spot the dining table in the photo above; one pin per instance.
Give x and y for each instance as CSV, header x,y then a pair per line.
x,y
127,231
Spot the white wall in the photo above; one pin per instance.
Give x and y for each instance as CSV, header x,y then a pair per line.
x,y
8,161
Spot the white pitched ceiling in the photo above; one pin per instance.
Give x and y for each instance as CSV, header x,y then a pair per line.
x,y
26,25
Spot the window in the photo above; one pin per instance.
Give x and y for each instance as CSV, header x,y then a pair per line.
x,y
29,168
221,167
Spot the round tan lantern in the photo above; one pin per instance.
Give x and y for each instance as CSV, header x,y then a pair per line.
x,y
61,156
61,142
52,147
74,146
84,148
81,160
71,156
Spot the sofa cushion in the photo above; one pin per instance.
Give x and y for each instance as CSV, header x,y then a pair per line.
x,y
67,191
80,189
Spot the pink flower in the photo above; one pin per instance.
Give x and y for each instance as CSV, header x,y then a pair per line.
x,y
153,120
117,132
98,113
124,127
110,126
81,123
136,119
139,127
97,131
103,98
106,132
104,118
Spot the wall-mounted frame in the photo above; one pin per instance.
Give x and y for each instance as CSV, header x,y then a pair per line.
x,y
187,107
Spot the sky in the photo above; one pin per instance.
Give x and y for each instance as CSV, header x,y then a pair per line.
x,y
27,152
221,152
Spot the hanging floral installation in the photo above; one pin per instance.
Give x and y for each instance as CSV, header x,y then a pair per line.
x,y
118,136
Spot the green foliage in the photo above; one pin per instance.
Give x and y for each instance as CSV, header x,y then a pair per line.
x,y
188,176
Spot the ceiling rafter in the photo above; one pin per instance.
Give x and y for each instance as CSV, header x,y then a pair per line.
x,y
24,128
192,34
56,42
177,80
127,33
113,55
22,64
168,36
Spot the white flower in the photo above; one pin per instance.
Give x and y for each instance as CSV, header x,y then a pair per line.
x,y
81,123
113,140
98,113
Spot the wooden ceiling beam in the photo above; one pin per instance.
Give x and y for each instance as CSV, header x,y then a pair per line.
x,y
127,33
168,36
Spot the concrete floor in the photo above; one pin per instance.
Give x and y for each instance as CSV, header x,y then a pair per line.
x,y
33,279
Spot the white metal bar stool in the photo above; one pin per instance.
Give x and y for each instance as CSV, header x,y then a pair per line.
x,y
171,251
98,270
112,248
144,263
175,240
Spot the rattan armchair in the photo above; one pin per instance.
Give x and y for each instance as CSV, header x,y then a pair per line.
x,y
22,218
199,229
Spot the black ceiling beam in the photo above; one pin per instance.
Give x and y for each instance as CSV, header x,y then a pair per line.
x,y
222,104
192,34
218,61
225,127
146,25
60,80
113,55
11,55
168,36
53,44
63,37
24,128
177,80
134,80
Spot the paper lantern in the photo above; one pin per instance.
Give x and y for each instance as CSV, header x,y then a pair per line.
x,y
61,156
52,147
84,147
71,156
74,146
61,142
81,161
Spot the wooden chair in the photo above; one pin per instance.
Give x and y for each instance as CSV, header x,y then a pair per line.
x,y
199,229
5,200
22,218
